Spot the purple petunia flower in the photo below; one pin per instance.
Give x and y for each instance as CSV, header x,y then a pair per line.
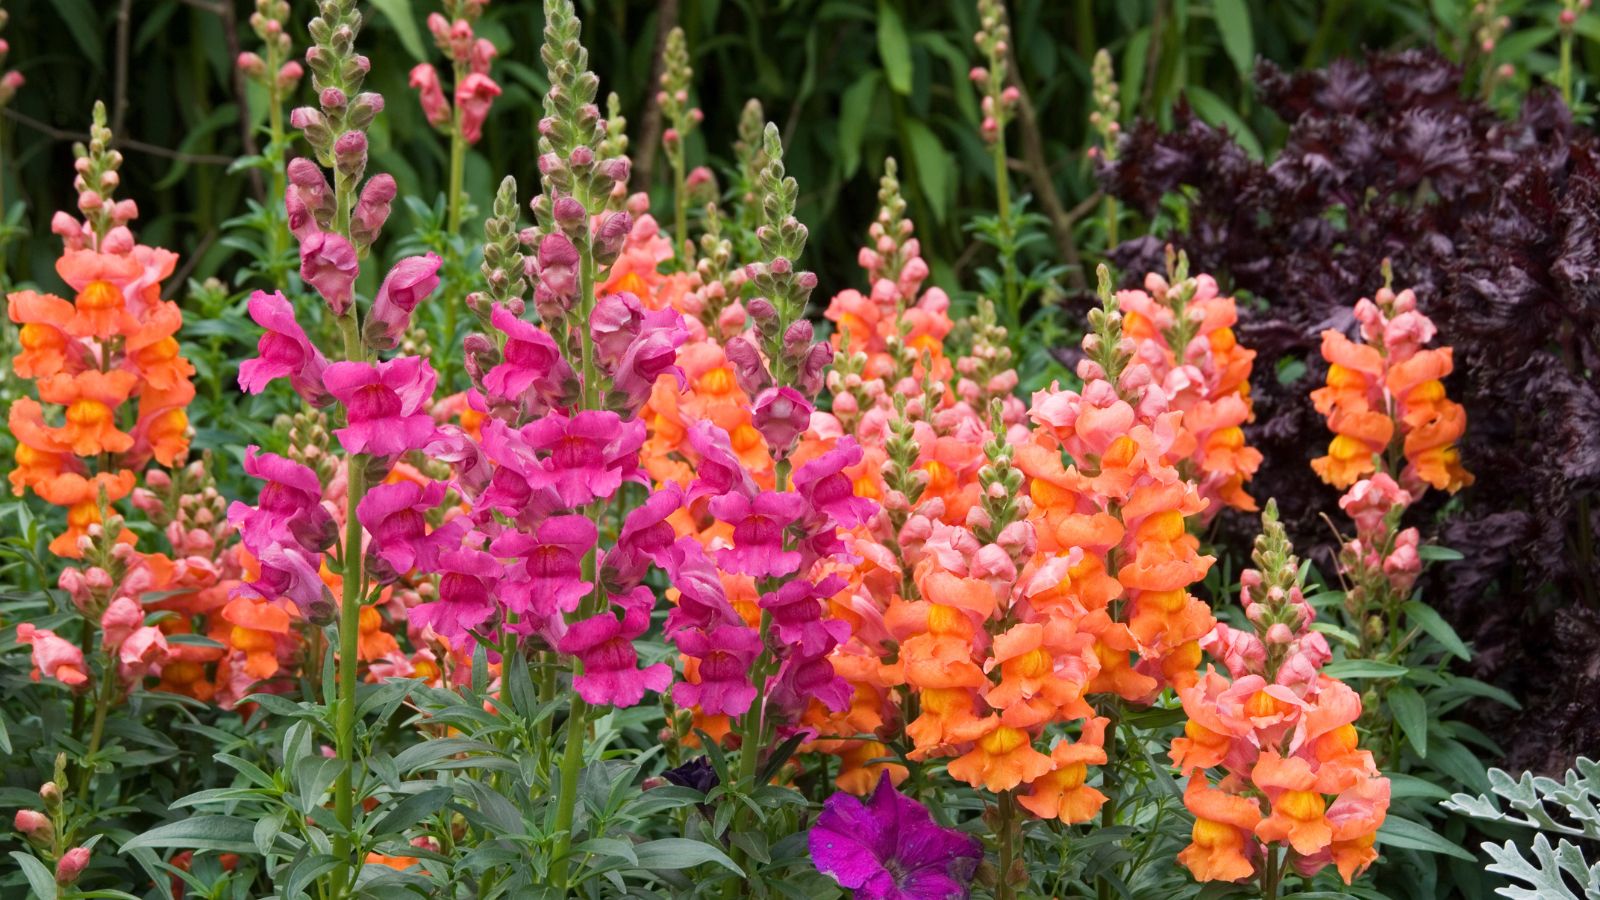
x,y
888,848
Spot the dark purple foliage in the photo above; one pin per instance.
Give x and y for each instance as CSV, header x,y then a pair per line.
x,y
1496,224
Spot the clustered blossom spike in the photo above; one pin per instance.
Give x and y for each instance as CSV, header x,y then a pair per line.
x,y
1284,735
1385,398
676,78
1106,117
109,358
277,72
994,41
470,57
1183,331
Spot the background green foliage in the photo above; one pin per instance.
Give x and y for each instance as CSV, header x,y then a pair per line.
x,y
848,81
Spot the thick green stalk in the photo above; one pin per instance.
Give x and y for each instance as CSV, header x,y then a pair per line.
x,y
680,203
1108,786
1564,74
1003,837
455,201
1008,262
353,581
577,720
275,154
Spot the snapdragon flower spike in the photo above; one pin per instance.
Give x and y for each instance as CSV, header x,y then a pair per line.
x,y
470,57
1281,730
385,404
284,351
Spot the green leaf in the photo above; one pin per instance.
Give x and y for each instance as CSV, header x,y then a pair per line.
x,y
894,47
1425,617
1398,832
404,21
1439,554
227,834
1346,669
83,23
1216,112
1411,711
39,877
412,810
932,165
682,853
1233,20
855,109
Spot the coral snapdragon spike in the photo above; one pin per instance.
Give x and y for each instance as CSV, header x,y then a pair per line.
x,y
1283,734
109,358
1183,331
1385,400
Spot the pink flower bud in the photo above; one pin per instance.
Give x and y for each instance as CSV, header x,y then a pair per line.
x,y
35,826
250,64
71,865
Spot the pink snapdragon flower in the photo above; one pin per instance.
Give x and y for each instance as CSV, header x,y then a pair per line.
x,y
591,454
289,509
425,80
758,526
396,516
781,414
604,644
53,656
647,536
409,283
144,649
474,96
725,655
469,582
718,470
829,492
328,263
797,614
551,573
283,351
288,570
531,360
385,404
1369,501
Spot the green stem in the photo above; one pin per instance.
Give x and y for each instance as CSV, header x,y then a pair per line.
x,y
456,201
577,724
1272,876
102,705
280,183
1005,839
1008,262
1564,74
1109,787
680,203
353,587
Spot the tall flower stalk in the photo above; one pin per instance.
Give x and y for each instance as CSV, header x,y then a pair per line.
x,y
278,75
673,98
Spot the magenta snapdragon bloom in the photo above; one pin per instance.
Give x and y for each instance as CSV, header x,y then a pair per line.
x,y
889,848
409,283
702,602
653,352
781,414
425,80
469,581
604,644
829,492
474,95
591,454
385,404
289,509
552,565
283,351
328,263
797,614
396,517
725,656
718,471
554,271
531,360
758,526
800,680
287,570
646,537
